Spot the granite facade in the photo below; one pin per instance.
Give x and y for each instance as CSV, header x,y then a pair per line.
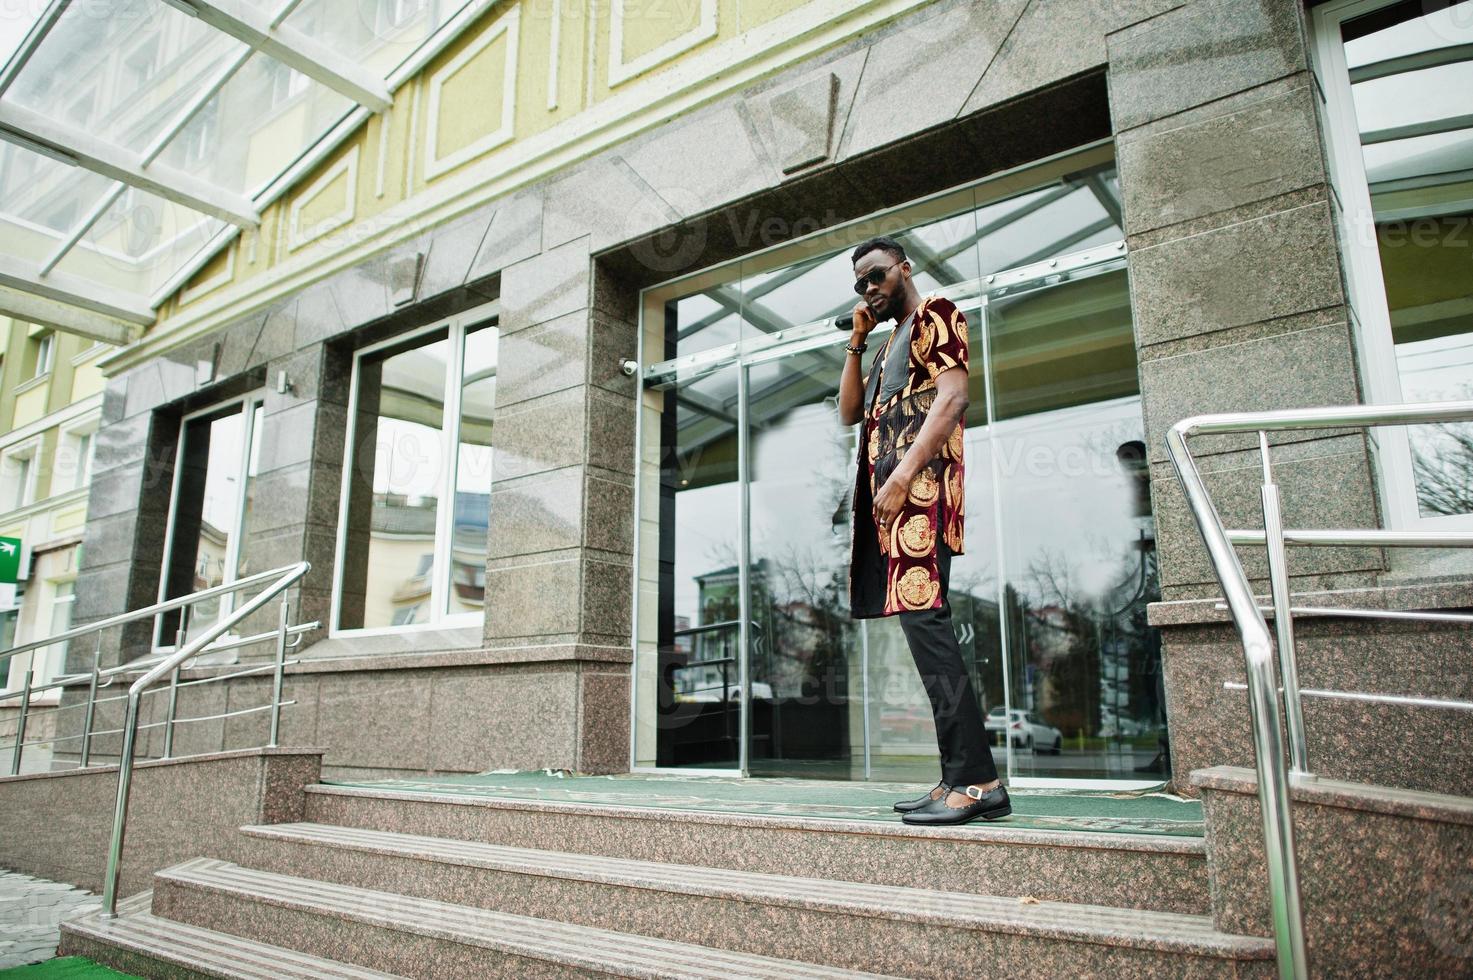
x,y
1384,874
1417,749
211,795
1234,273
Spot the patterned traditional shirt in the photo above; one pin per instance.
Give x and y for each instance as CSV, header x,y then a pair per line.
x,y
896,571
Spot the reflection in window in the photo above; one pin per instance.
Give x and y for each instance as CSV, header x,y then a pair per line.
x,y
412,398
1078,211
214,479
1417,148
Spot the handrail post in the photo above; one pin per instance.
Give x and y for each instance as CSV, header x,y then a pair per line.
x,y
172,663
1278,818
1263,705
90,716
278,677
173,711
120,808
20,722
1278,581
180,638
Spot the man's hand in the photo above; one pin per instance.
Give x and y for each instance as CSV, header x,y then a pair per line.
x,y
890,499
864,322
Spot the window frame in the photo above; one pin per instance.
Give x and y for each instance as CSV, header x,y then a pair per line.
x,y
486,316
30,451
85,427
246,406
45,355
1364,279
13,665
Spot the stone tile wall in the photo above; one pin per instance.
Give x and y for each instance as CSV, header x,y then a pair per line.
x,y
1235,282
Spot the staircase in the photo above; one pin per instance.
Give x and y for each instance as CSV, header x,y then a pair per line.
x,y
380,881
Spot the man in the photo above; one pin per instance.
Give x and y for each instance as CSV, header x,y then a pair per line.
x,y
908,508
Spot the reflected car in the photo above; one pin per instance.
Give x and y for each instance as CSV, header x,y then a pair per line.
x,y
760,691
1025,729
1120,728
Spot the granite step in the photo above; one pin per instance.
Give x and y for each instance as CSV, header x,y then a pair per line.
x,y
419,937
909,931
141,944
1146,871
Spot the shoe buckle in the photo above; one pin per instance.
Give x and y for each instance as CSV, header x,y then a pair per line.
x,y
973,792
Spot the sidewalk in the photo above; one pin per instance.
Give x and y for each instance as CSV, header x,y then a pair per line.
x,y
31,910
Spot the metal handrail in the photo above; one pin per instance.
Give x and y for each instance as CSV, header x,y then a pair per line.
x,y
1258,644
170,665
137,666
168,605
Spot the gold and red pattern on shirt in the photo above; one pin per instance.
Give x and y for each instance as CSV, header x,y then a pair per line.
x,y
906,561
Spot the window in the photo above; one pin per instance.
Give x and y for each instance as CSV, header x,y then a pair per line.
x,y
9,636
139,66
419,435
72,468
393,14
51,661
1396,80
40,352
18,476
83,110
210,512
286,83
198,138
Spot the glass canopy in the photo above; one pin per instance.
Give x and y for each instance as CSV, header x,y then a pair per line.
x,y
136,137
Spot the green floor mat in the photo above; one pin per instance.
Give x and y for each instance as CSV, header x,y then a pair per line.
x,y
65,968
1153,811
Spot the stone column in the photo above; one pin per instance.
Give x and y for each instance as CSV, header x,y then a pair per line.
x,y
1239,305
1235,274
559,565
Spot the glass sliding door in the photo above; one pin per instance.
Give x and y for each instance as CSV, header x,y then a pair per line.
x,y
1074,528
804,656
747,659
696,706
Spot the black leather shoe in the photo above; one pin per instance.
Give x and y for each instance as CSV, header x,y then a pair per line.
x,y
909,806
984,806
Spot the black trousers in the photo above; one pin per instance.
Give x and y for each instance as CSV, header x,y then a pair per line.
x,y
960,733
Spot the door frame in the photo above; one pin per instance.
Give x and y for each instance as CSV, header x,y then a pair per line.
x,y
973,293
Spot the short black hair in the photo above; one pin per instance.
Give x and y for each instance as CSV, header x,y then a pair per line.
x,y
883,243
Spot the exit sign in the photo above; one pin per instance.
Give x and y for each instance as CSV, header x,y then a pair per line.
x,y
9,560
9,571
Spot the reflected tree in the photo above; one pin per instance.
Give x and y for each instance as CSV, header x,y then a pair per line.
x,y
1442,466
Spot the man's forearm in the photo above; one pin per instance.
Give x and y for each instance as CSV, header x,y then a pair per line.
x,y
851,389
946,411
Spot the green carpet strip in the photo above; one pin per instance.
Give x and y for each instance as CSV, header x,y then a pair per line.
x,y
65,968
1152,811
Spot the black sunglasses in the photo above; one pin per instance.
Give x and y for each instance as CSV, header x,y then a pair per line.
x,y
873,277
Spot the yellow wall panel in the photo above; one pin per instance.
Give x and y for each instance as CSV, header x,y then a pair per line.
x,y
756,12
647,24
470,99
86,380
68,519
30,405
325,204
